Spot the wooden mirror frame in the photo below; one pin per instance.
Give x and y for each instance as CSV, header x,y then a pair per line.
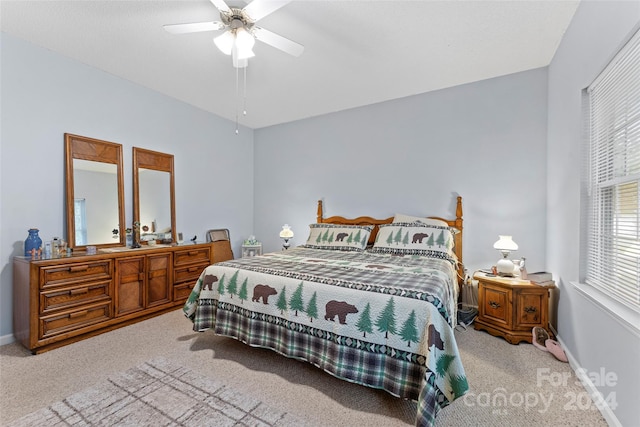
x,y
148,159
84,148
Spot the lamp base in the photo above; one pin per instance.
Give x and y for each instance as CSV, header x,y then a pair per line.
x,y
505,267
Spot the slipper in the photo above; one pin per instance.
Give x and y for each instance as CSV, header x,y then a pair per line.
x,y
540,336
555,349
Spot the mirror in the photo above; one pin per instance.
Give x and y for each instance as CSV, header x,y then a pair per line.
x,y
94,191
154,196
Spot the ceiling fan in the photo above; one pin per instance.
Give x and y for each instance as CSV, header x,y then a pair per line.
x,y
241,30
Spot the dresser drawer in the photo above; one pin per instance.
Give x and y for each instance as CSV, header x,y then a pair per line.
x,y
70,296
181,292
188,274
74,320
75,272
192,256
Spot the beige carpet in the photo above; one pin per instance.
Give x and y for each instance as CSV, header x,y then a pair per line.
x,y
159,393
496,371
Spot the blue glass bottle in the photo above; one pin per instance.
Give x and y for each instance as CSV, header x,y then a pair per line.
x,y
33,243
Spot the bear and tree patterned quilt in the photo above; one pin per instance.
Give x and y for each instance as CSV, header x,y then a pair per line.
x,y
380,320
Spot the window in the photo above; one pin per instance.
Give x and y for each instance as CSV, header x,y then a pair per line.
x,y
613,233
80,215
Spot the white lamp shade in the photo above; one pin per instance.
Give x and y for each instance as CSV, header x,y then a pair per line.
x,y
225,42
505,243
286,232
244,44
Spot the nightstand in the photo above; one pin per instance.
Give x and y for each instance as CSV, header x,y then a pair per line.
x,y
510,307
251,250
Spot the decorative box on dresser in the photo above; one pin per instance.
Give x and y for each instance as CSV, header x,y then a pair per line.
x,y
510,307
58,301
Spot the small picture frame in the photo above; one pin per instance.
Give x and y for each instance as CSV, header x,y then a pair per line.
x,y
180,238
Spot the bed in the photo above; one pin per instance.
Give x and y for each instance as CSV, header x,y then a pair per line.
x,y
371,301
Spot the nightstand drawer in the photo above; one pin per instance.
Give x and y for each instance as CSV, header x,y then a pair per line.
x,y
529,310
495,305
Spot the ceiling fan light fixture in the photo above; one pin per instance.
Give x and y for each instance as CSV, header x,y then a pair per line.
x,y
240,63
244,44
225,42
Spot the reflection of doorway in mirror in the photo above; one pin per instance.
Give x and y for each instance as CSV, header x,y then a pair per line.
x,y
80,217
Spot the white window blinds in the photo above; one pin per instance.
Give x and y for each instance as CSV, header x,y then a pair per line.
x,y
613,247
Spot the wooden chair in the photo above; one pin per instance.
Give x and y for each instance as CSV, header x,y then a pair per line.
x,y
221,244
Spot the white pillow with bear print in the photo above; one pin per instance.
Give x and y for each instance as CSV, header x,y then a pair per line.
x,y
410,238
338,237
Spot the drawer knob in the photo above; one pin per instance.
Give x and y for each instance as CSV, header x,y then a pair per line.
x,y
530,309
77,268
78,291
494,304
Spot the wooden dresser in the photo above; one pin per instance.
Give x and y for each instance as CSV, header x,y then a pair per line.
x,y
58,301
511,308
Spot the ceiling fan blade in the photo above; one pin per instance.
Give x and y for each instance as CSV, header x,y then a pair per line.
x,y
258,9
277,41
221,6
195,27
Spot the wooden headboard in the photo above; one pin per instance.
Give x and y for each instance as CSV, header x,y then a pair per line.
x,y
367,220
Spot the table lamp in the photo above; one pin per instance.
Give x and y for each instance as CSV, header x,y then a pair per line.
x,y
505,244
286,234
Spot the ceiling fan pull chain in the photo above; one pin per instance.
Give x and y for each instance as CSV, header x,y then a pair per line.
x,y
237,100
244,95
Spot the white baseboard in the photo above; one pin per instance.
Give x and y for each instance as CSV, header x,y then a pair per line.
x,y
7,339
595,395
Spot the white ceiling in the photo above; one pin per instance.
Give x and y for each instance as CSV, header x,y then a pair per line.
x,y
356,52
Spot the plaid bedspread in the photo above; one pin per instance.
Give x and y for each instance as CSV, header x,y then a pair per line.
x,y
378,320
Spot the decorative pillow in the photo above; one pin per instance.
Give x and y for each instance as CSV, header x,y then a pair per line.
x,y
410,238
338,237
427,221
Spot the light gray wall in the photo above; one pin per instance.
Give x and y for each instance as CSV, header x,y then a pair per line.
x,y
595,338
485,141
45,95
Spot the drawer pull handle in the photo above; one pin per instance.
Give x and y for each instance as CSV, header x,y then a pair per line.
x,y
78,268
530,309
78,291
192,269
494,304
78,314
193,253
